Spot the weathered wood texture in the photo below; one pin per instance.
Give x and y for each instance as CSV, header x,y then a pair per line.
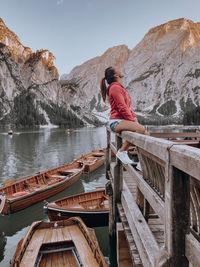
x,y
108,153
123,257
162,204
177,135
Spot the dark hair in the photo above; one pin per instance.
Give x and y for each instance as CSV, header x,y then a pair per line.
x,y
109,77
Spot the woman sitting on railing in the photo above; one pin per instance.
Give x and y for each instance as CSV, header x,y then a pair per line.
x,y
122,115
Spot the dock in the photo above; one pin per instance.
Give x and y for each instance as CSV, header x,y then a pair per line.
x,y
155,212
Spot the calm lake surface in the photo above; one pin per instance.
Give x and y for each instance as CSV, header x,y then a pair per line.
x,y
27,152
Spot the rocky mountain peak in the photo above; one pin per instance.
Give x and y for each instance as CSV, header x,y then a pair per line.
x,y
162,71
189,30
12,42
25,78
22,53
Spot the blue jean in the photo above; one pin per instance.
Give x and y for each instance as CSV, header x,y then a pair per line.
x,y
113,124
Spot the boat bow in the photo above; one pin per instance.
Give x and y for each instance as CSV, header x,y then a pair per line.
x,y
2,202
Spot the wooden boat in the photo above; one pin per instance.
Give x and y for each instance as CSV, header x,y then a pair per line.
x,y
69,130
10,132
22,193
92,160
64,243
92,207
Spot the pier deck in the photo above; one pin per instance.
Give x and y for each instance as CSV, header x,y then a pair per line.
x,y
158,207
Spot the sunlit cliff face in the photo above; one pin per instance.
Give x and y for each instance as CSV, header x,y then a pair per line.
x,y
189,29
13,44
162,73
21,53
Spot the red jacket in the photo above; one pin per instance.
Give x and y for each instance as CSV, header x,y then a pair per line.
x,y
120,102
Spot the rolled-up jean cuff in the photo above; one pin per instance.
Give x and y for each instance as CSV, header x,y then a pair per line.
x,y
113,123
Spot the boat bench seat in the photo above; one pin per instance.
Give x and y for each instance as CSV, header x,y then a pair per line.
x,y
98,154
80,161
69,171
57,176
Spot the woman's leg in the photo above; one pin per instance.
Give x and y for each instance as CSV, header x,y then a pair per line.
x,y
129,126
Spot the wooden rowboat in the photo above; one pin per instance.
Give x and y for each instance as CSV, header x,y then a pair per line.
x,y
92,160
92,207
69,130
64,243
10,132
20,194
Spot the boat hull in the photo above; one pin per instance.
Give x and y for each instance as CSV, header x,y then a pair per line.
x,y
91,219
92,207
23,202
91,168
92,160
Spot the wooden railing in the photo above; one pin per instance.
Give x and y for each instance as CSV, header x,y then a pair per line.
x,y
169,186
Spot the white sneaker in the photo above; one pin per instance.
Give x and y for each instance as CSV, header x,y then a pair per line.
x,y
123,156
138,167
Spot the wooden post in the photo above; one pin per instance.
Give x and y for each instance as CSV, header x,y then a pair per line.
x,y
140,199
177,220
117,187
109,191
118,173
146,210
108,153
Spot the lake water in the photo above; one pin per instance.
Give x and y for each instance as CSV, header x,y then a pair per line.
x,y
27,152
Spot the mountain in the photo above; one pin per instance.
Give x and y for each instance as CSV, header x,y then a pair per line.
x,y
162,75
29,86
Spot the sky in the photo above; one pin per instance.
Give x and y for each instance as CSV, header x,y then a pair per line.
x,y
78,30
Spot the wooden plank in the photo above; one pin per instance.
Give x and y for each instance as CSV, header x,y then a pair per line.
x,y
72,259
158,229
132,176
117,188
47,238
177,135
192,249
129,237
148,248
117,175
66,234
177,206
123,254
48,260
54,237
54,260
152,157
155,146
33,248
108,153
186,159
153,198
59,234
43,261
60,262
86,256
66,258
113,148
